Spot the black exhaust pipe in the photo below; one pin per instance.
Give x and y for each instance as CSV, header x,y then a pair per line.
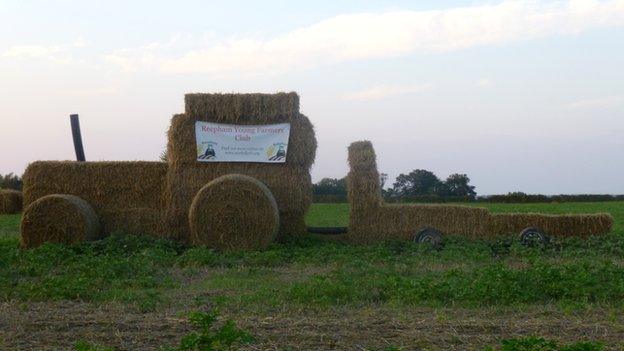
x,y
75,127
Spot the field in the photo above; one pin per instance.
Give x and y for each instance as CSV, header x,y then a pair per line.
x,y
135,293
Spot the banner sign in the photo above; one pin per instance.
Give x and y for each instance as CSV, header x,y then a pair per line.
x,y
241,143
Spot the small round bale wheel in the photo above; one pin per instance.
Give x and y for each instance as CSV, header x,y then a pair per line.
x,y
532,236
429,235
234,212
57,218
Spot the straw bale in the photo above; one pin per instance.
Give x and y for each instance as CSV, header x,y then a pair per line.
x,y
234,212
127,184
127,196
580,225
10,201
242,109
56,218
137,221
289,182
372,220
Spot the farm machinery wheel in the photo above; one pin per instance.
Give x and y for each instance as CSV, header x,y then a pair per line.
x,y
429,235
533,236
234,212
59,218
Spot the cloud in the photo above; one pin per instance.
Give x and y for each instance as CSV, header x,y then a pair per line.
x,y
377,35
53,53
602,102
384,91
483,82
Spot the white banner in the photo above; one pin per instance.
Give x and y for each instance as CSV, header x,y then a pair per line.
x,y
241,143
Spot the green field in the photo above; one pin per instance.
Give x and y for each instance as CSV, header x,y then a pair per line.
x,y
319,294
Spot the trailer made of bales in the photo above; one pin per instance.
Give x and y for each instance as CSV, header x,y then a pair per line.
x,y
372,220
222,205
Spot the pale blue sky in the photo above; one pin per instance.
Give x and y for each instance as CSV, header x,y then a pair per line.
x,y
520,95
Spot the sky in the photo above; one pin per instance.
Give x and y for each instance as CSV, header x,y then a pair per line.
x,y
520,95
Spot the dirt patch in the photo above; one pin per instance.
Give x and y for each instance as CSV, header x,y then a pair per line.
x,y
58,325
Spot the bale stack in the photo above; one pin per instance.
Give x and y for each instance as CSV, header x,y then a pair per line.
x,y
65,219
234,212
10,201
579,225
290,182
126,196
372,220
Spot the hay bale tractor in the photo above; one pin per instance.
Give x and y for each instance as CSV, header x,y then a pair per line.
x,y
194,197
237,176
371,219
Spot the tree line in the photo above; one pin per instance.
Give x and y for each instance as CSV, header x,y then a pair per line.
x,y
10,181
417,183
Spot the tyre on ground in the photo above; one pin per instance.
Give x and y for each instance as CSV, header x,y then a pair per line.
x,y
430,236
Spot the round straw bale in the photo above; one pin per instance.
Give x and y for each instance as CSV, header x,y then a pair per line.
x,y
56,218
234,212
10,201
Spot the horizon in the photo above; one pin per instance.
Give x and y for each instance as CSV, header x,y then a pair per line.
x,y
519,95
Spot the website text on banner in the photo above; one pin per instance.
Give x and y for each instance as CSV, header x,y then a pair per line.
x,y
241,143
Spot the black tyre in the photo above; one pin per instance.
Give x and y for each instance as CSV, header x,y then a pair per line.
x,y
429,235
532,236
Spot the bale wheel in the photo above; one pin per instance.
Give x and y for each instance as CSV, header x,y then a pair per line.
x,y
429,235
234,212
533,236
57,218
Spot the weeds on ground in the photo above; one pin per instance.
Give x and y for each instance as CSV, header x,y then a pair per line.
x,y
208,337
86,346
467,273
541,344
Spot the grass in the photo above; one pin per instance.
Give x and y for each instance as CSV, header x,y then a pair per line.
x,y
312,273
467,273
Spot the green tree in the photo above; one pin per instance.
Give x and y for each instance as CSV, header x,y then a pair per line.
x,y
10,181
459,185
330,186
417,182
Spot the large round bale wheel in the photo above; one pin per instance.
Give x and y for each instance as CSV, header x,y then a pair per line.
x,y
234,212
58,218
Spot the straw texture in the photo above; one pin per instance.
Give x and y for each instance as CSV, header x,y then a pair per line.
x,y
55,218
371,220
234,212
10,201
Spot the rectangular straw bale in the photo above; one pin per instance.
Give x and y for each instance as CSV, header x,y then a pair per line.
x,y
242,108
290,182
137,221
10,201
101,184
558,225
